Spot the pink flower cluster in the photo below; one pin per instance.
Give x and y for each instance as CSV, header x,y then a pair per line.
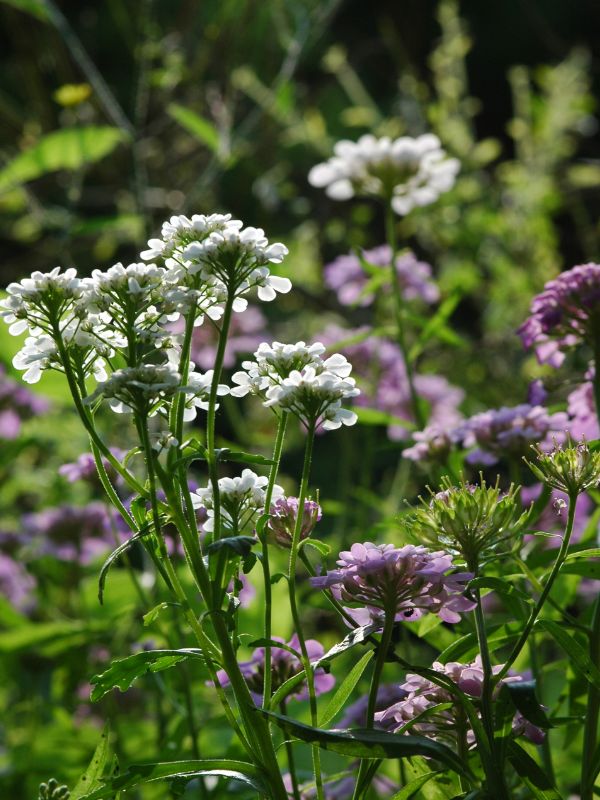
x,y
284,665
561,316
405,581
347,277
423,695
283,517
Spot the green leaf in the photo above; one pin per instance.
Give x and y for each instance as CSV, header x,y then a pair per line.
x,y
586,569
322,547
523,695
239,545
533,776
345,689
91,778
199,127
124,671
592,553
357,636
155,612
373,416
37,8
513,597
367,743
239,457
413,787
140,774
578,656
69,148
114,556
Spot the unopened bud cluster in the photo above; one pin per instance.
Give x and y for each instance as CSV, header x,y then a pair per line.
x,y
571,469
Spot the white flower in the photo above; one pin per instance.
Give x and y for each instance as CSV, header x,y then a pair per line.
x,y
162,440
181,230
141,388
409,172
40,301
274,362
315,398
197,392
240,498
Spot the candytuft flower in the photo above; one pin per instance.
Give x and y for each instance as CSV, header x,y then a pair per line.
x,y
472,522
142,389
404,581
565,314
571,469
407,172
283,515
284,665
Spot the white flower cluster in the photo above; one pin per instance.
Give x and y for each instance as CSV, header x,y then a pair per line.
x,y
222,252
408,172
140,389
296,378
240,498
35,302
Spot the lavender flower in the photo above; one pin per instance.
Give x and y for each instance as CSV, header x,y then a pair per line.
x,y
84,468
431,444
509,431
581,407
356,714
405,581
564,314
16,405
284,665
347,277
16,584
283,516
69,533
423,695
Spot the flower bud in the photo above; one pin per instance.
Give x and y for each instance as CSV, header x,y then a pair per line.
x,y
571,469
283,517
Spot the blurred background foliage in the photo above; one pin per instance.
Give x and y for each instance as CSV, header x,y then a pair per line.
x,y
116,115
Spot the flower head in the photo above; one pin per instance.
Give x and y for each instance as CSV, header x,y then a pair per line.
x,y
409,172
241,498
473,522
565,314
284,665
347,276
142,388
404,581
433,443
571,469
283,516
40,301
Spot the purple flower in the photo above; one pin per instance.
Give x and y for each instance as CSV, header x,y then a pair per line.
x,y
582,410
283,666
283,517
431,444
510,431
16,584
16,404
347,277
381,376
423,695
69,533
406,581
563,315
246,593
356,714
84,468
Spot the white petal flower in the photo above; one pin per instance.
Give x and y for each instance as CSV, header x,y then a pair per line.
x,y
408,172
241,498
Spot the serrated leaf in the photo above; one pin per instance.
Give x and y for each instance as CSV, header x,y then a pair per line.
x,y
367,743
532,774
124,671
578,656
69,148
91,778
140,774
199,127
345,689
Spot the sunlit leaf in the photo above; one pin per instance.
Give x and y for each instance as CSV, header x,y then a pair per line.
x,y
199,127
91,778
345,689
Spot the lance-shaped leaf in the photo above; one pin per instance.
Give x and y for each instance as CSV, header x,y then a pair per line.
x,y
140,774
368,743
522,694
410,790
91,778
114,556
576,653
532,774
124,671
345,689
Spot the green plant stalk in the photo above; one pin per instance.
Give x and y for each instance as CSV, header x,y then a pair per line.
x,y
590,730
560,559
289,751
310,437
363,781
390,226
494,767
268,610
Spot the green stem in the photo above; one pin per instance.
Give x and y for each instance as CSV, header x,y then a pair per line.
x,y
293,603
560,559
289,751
268,610
390,226
363,781
537,675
